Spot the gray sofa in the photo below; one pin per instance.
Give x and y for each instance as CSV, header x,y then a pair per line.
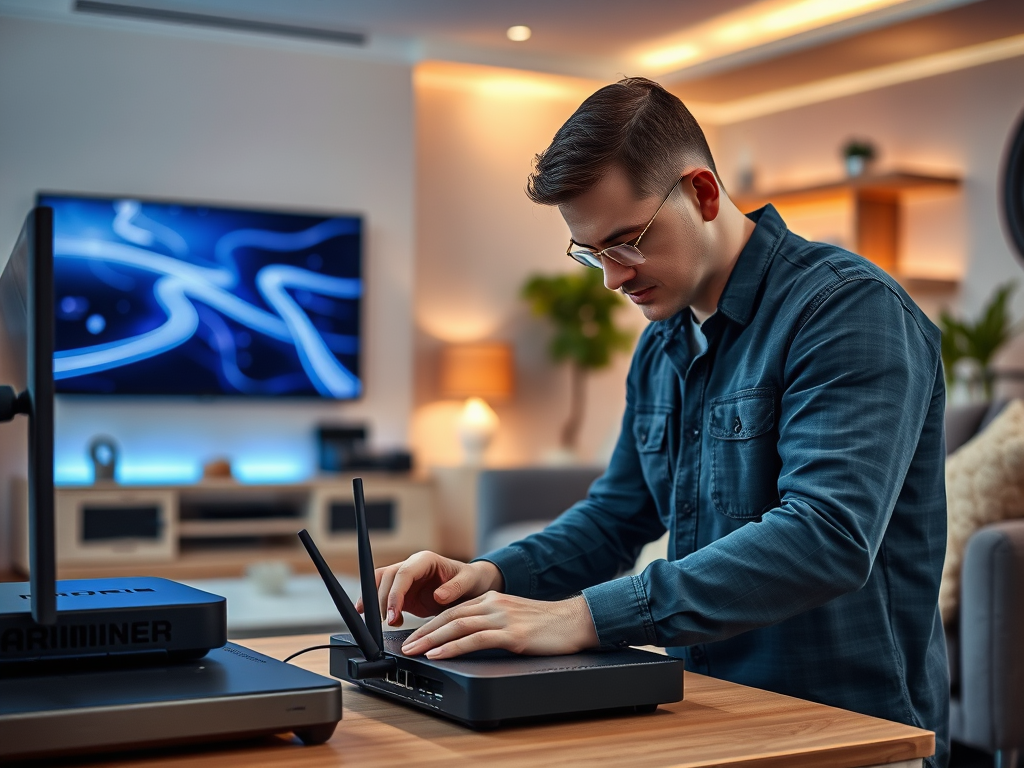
x,y
985,647
513,503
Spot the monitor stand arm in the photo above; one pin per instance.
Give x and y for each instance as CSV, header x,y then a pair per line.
x,y
11,403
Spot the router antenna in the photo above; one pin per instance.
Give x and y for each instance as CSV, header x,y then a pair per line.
x,y
348,611
367,582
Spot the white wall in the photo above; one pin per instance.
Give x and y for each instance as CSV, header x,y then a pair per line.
x,y
957,123
119,111
479,237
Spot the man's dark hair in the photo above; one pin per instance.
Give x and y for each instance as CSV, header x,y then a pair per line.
x,y
634,123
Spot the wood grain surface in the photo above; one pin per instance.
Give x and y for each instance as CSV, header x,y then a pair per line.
x,y
718,724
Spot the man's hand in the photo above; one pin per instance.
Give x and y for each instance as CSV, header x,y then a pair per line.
x,y
426,583
517,624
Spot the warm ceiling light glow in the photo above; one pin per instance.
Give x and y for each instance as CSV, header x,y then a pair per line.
x,y
857,82
519,33
670,58
498,82
758,24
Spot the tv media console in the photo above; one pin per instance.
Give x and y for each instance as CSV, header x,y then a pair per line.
x,y
216,528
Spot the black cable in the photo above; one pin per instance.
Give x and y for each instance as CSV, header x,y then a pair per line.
x,y
307,650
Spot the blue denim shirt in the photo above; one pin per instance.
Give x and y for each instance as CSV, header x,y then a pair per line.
x,y
798,465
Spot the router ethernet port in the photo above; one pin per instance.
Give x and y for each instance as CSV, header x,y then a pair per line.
x,y
429,687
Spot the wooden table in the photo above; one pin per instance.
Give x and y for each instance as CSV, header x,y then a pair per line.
x,y
718,723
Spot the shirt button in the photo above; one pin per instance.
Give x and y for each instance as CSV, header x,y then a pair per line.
x,y
695,432
737,426
686,506
698,655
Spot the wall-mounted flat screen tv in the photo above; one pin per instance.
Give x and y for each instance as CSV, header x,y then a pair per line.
x,y
162,298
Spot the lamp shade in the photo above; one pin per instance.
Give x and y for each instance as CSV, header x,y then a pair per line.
x,y
482,369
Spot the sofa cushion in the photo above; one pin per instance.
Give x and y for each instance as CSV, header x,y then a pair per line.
x,y
962,423
984,484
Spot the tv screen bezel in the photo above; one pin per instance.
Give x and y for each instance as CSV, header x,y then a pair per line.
x,y
257,208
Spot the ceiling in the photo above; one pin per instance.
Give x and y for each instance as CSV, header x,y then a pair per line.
x,y
604,39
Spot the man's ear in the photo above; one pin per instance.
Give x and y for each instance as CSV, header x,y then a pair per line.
x,y
708,194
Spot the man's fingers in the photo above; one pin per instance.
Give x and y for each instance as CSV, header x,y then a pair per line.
x,y
453,589
384,590
464,611
405,578
448,632
478,641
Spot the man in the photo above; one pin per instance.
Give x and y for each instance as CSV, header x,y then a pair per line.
x,y
783,422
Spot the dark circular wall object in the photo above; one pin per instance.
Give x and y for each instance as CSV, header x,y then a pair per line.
x,y
1013,188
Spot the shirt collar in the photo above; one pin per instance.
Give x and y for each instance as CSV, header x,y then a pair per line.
x,y
738,298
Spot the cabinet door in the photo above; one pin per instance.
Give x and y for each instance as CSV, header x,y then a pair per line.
x,y
399,515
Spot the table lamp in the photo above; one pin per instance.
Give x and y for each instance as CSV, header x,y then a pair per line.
x,y
477,371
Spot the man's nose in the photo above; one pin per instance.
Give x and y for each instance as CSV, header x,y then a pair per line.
x,y
615,274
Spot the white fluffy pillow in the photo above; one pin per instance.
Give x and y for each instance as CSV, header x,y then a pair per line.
x,y
984,484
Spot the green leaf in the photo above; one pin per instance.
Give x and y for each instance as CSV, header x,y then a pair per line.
x,y
582,312
981,339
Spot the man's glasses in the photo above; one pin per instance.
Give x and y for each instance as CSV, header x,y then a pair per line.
x,y
626,254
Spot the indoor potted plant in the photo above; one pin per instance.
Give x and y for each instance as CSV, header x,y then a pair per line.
x,y
858,155
582,311
968,347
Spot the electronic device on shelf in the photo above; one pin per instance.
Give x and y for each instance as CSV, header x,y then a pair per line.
x,y
46,618
106,664
490,688
181,298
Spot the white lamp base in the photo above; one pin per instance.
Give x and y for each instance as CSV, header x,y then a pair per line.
x,y
477,426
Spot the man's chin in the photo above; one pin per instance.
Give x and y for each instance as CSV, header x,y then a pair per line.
x,y
654,312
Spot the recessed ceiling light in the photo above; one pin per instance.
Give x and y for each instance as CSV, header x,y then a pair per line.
x,y
518,33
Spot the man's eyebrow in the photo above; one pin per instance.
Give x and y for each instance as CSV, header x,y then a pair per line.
x,y
615,238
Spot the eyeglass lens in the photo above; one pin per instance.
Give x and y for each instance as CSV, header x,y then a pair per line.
x,y
624,254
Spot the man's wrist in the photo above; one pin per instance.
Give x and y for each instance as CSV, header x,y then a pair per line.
x,y
491,578
583,621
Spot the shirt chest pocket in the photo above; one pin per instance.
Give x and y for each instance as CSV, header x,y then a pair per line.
x,y
650,432
744,453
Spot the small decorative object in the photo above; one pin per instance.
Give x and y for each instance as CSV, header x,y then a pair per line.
x,y
858,155
582,312
269,577
103,451
479,372
968,347
217,469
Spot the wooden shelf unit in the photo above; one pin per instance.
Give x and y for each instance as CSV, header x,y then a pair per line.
x,y
215,529
877,202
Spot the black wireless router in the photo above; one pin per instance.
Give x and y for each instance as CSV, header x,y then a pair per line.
x,y
50,619
487,689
